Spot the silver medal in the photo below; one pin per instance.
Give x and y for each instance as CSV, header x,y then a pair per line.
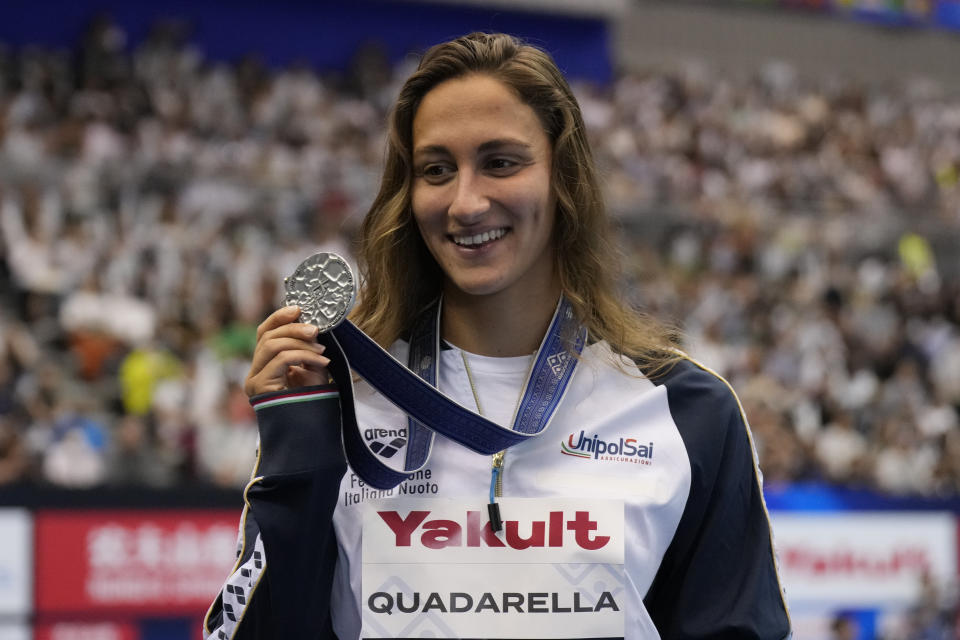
x,y
324,288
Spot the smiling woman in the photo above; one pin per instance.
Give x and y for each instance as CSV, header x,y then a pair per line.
x,y
403,277
486,243
485,209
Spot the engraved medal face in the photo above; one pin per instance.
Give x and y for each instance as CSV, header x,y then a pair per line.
x,y
324,288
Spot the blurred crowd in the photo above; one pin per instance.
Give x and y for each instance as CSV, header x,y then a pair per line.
x,y
802,234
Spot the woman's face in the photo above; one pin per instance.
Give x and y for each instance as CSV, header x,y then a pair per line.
x,y
481,188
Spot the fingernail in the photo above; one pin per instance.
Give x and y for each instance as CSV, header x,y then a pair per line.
x,y
310,332
291,307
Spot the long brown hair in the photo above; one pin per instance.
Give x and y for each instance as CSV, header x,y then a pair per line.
x,y
400,277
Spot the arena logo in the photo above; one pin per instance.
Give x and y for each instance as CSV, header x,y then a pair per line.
x,y
377,440
623,450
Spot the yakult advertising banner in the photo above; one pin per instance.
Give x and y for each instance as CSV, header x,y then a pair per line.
x,y
863,560
161,562
436,568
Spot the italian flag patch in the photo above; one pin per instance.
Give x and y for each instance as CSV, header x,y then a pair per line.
x,y
295,397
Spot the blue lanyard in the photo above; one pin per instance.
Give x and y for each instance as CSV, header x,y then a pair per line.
x,y
413,390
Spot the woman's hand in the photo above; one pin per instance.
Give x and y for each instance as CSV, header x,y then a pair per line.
x,y
287,355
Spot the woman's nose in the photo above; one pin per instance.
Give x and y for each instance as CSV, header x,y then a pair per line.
x,y
469,199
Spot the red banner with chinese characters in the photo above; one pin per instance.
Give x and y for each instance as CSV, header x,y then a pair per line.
x,y
153,562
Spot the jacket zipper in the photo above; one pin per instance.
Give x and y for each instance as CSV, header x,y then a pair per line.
x,y
496,490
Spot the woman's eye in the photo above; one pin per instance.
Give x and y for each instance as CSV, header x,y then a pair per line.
x,y
435,171
500,164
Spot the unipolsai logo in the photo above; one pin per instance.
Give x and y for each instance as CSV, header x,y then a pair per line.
x,y
628,450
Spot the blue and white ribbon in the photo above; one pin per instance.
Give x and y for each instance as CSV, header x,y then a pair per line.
x,y
412,389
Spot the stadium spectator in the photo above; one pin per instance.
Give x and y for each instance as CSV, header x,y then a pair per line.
x,y
802,232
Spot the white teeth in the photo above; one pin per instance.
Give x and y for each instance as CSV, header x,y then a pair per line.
x,y
479,238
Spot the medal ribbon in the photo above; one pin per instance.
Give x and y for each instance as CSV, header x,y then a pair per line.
x,y
412,389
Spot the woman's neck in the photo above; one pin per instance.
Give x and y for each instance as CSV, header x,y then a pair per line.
x,y
502,325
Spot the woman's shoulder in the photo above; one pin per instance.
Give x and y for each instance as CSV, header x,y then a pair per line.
x,y
686,380
703,404
694,381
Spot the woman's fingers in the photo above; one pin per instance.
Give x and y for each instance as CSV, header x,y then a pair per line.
x,y
305,376
287,355
270,345
273,376
280,317
277,367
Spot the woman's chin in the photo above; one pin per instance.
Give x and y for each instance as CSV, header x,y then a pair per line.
x,y
474,287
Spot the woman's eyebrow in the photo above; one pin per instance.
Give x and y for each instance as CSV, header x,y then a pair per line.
x,y
503,142
489,145
431,148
